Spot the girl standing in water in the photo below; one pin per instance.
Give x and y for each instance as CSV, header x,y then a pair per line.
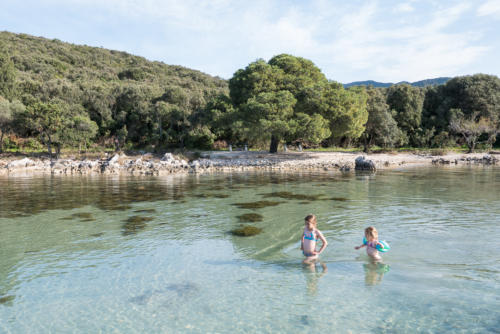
x,y
310,238
371,236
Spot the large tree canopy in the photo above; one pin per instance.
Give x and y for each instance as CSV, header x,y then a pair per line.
x,y
324,108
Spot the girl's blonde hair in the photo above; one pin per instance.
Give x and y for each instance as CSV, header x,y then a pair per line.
x,y
311,218
371,233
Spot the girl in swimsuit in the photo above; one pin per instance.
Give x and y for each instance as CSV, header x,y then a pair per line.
x,y
309,239
371,236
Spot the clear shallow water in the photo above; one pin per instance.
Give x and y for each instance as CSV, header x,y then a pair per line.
x,y
77,254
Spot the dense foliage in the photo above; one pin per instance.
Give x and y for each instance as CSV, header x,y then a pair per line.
x,y
99,95
64,95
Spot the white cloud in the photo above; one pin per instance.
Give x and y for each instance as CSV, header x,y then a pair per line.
x,y
404,8
348,41
491,7
409,52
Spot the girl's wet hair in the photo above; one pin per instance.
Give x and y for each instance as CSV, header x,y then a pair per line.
x,y
371,232
311,218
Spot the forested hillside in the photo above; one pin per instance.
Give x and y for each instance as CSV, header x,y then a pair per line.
x,y
57,94
99,93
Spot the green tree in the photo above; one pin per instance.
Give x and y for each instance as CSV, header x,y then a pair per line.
x,y
268,116
344,110
5,119
261,87
221,117
49,121
407,102
476,96
7,74
81,131
472,127
381,128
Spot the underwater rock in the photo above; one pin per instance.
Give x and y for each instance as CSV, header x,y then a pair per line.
x,y
289,195
83,215
145,211
250,217
246,231
135,224
220,195
256,205
340,199
6,299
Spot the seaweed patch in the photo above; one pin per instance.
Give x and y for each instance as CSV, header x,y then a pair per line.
x,y
135,224
340,199
246,231
250,217
6,299
145,211
289,195
256,205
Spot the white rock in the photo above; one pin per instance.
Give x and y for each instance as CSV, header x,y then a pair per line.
x,y
114,159
168,157
26,162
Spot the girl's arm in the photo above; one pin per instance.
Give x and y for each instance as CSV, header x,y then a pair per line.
x,y
325,243
358,247
302,242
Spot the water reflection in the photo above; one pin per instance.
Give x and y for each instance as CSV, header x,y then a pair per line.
x,y
374,272
313,275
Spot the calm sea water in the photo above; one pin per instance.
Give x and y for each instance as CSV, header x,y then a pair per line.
x,y
155,254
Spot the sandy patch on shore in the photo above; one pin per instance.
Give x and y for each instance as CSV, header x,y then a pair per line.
x,y
381,160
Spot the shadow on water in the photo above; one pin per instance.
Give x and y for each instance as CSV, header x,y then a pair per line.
x,y
164,296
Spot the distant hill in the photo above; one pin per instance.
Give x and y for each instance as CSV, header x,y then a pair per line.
x,y
421,83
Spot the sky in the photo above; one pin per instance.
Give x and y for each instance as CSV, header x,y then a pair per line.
x,y
388,41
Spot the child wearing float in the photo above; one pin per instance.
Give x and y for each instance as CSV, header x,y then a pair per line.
x,y
373,245
310,238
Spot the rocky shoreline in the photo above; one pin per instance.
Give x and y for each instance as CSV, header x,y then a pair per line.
x,y
236,161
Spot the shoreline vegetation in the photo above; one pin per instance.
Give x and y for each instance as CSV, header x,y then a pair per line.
x,y
224,161
57,96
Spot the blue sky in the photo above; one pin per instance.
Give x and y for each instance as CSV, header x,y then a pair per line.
x,y
386,41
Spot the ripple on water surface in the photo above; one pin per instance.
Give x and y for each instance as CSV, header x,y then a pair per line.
x,y
154,254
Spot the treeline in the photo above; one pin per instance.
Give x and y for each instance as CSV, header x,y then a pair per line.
x,y
64,95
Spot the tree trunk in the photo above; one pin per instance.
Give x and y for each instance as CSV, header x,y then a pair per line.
x,y
274,144
49,146
58,150
1,143
472,145
366,145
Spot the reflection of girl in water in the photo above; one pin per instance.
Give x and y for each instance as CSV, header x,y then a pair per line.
x,y
312,276
374,271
